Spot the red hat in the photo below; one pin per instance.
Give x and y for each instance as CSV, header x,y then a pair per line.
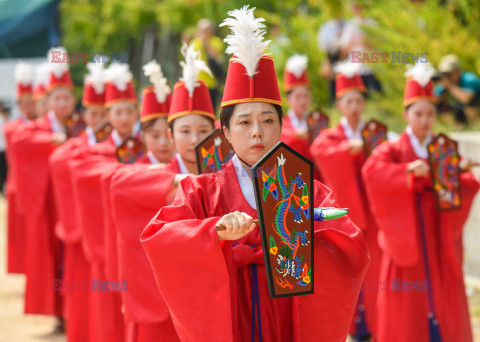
x,y
296,72
24,79
190,95
94,86
251,74
151,107
347,79
59,71
156,98
42,74
119,86
419,85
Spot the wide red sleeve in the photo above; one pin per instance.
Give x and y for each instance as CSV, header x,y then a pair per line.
x,y
136,194
337,166
341,262
86,172
390,191
289,137
188,262
29,150
67,228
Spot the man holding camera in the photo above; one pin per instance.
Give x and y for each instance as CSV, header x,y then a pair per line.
x,y
458,91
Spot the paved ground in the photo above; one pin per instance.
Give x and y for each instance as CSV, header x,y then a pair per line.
x,y
17,327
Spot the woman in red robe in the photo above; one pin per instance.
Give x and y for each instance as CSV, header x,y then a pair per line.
x,y
204,275
339,155
31,148
87,169
411,307
16,248
76,270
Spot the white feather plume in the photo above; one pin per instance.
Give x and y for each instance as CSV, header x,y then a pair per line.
x,y
119,74
421,72
191,67
245,41
24,73
42,73
154,72
347,68
297,65
96,76
58,68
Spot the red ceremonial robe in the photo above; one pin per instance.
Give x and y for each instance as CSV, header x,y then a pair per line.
x,y
402,301
341,171
136,195
206,283
76,281
105,318
30,148
16,248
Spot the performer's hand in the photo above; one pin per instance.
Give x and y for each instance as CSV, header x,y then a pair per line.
x,y
302,133
237,225
59,138
178,178
356,146
419,168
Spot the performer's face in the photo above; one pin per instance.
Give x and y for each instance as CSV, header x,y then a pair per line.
x,y
93,115
122,116
351,105
27,106
254,130
41,106
188,131
158,140
421,117
62,102
300,99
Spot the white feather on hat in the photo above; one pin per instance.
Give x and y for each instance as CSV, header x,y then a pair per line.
x,y
119,74
347,68
24,73
421,72
245,41
297,65
191,67
96,76
57,68
154,72
42,72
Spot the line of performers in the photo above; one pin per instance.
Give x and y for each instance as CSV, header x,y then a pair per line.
x,y
129,251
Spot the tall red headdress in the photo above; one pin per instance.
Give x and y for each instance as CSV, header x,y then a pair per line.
x,y
94,85
156,98
190,95
347,79
296,72
251,73
24,79
59,70
119,86
419,85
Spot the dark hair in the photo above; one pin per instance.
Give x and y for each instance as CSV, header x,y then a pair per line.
x,y
149,124
227,112
365,95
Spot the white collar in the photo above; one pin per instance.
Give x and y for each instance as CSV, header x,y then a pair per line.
x,y
152,158
246,184
349,132
420,149
57,127
181,165
92,139
117,140
295,121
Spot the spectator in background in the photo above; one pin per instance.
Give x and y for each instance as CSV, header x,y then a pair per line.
x,y
458,91
211,50
354,39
